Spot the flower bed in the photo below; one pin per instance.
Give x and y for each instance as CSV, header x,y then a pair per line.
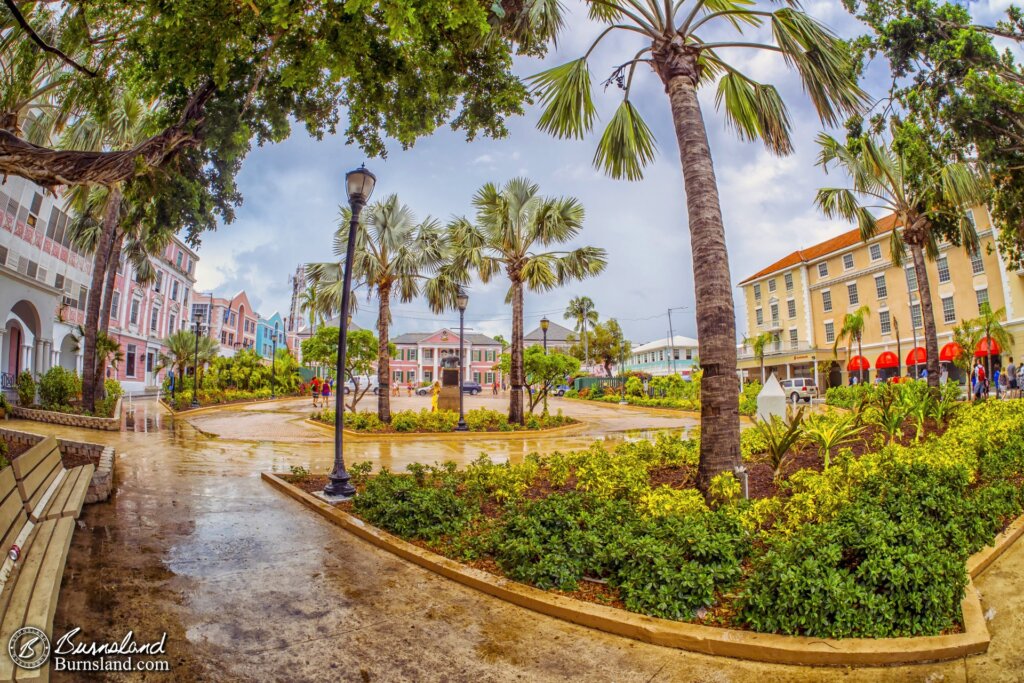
x,y
748,398
428,422
182,400
873,546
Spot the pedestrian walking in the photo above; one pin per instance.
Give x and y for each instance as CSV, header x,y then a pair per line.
x,y
997,380
325,394
1011,379
315,385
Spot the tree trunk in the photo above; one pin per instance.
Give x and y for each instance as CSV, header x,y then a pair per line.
x,y
113,260
111,213
931,340
515,399
586,342
716,318
383,355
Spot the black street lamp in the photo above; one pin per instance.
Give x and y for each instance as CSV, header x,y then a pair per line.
x,y
544,322
359,184
273,363
195,368
462,299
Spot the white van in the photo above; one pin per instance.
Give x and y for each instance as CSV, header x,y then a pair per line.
x,y
799,388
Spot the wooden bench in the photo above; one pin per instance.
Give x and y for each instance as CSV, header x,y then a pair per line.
x,y
49,490
31,584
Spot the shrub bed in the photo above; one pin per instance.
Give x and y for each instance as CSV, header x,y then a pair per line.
x,y
673,399
182,400
874,545
429,422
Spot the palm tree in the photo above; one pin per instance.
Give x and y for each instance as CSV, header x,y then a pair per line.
x,y
758,345
181,353
852,331
929,199
581,309
311,302
686,45
512,222
393,254
128,122
989,325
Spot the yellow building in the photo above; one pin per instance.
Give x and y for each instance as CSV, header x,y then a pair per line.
x,y
802,298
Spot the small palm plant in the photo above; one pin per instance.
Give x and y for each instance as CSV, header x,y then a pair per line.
x,y
829,431
780,436
888,410
919,400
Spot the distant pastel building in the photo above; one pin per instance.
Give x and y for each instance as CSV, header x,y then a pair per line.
x,y
663,357
231,322
266,329
420,353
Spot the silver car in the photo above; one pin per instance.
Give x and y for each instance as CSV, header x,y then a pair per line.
x,y
799,388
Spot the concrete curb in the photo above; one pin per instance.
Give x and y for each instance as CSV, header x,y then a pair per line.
x,y
668,412
220,406
105,424
761,647
461,436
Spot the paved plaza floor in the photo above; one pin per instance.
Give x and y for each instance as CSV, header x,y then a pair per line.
x,y
251,586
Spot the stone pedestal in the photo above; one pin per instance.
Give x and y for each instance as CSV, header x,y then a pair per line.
x,y
772,400
448,399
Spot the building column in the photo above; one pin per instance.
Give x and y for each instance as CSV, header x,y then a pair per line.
x,y
47,357
79,365
4,357
26,357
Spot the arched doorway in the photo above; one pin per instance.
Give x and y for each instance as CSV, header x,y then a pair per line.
x,y
10,353
69,353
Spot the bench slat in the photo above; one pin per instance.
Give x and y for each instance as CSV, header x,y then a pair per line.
x,y
18,592
12,511
75,502
30,459
55,506
34,485
43,601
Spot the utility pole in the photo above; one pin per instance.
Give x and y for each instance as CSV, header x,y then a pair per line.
x,y
671,345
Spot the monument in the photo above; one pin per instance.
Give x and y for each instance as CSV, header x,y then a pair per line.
x,y
449,397
771,400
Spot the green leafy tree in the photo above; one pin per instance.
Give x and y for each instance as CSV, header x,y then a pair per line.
x,y
286,376
360,354
929,198
688,45
607,344
582,312
514,223
758,345
181,354
543,371
313,302
989,325
393,254
852,332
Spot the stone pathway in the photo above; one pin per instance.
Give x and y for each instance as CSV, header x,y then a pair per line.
x,y
250,586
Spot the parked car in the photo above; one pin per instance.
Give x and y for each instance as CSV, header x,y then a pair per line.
x,y
468,387
363,381
800,389
560,389
423,391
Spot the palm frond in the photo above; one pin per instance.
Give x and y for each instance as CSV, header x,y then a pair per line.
x,y
755,111
564,92
626,146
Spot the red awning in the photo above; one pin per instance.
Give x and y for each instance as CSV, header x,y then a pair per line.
x,y
987,347
887,360
858,363
917,357
950,352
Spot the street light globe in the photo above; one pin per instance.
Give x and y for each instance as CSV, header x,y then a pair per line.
x,y
544,322
359,184
462,299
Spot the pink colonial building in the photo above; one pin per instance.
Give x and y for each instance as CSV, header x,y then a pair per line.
x,y
232,323
420,353
142,316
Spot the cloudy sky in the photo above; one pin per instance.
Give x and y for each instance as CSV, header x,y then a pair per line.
x,y
292,191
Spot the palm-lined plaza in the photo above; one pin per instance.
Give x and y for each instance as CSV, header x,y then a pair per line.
x,y
467,449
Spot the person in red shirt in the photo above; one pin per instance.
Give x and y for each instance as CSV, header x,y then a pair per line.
x,y
315,384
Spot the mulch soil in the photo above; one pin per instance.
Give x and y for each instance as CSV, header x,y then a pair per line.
x,y
14,450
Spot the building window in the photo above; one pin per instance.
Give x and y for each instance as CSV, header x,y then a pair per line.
x,y
759,314
823,269
396,376
851,290
793,341
428,354
178,260
115,305
775,313
476,377
83,296
129,361
881,291
170,325
689,354
830,333
915,315
911,279
948,311
411,353
159,280
982,295
223,337
884,322
977,265
826,301
791,308
848,261
133,315
757,292
174,291
489,378
788,277
771,285
153,319
876,251
476,356
943,266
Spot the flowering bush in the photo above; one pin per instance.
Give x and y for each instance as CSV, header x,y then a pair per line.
x,y
477,420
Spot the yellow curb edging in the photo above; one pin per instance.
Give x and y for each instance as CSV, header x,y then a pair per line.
x,y
983,559
447,436
761,647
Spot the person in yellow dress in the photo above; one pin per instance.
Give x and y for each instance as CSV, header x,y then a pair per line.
x,y
435,391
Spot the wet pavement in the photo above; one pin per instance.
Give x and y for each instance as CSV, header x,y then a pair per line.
x,y
251,586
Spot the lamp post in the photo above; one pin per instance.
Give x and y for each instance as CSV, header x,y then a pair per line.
x,y
359,184
544,323
462,299
195,368
622,375
273,363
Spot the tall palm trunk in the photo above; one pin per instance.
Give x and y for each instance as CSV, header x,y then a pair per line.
x,y
586,348
716,320
383,354
92,311
515,400
108,294
860,363
931,340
